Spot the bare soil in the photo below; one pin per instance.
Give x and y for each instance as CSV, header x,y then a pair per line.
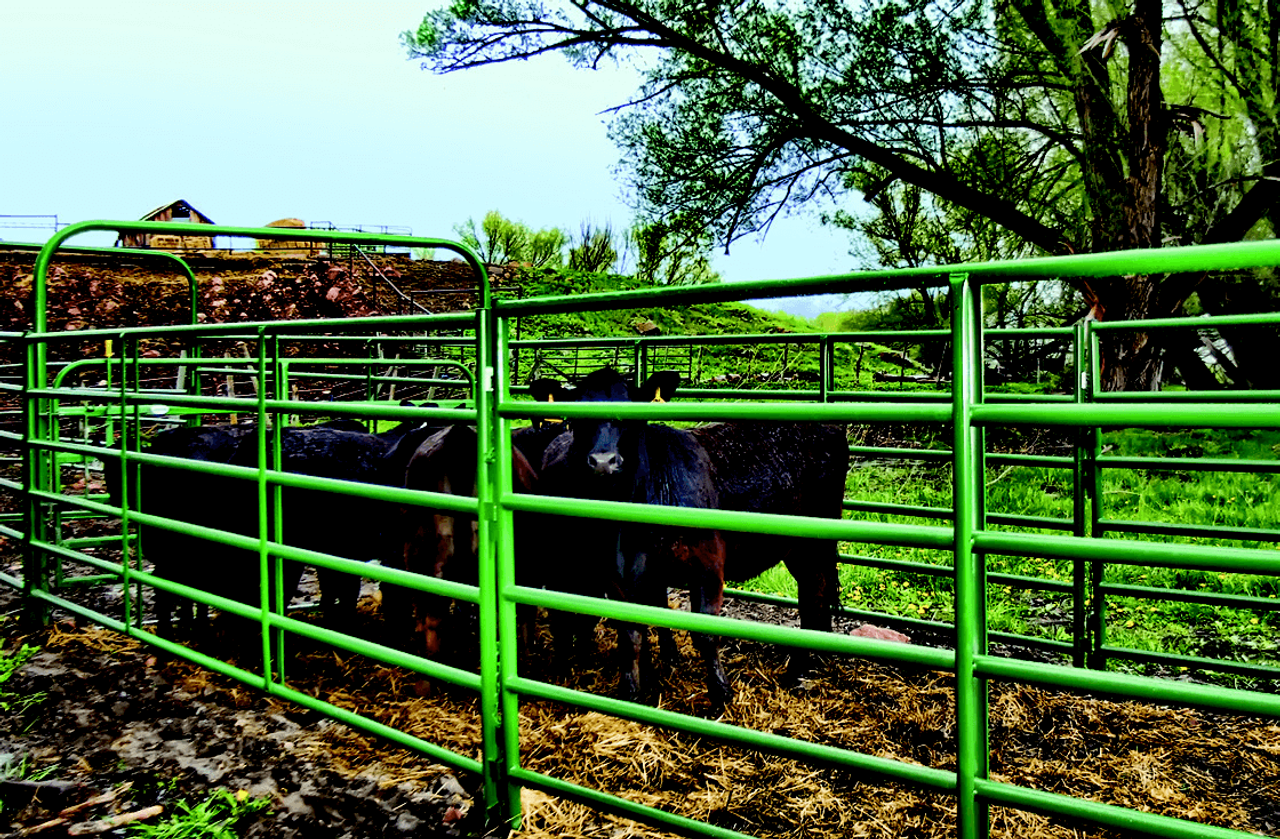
x,y
111,711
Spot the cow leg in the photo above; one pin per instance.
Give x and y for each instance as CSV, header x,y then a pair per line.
x,y
397,600
818,585
573,634
630,648
668,652
573,637
653,668
705,561
339,592
636,585
164,604
429,623
174,614
192,617
289,581
198,618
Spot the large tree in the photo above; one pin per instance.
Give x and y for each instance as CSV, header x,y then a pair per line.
x,y
1046,120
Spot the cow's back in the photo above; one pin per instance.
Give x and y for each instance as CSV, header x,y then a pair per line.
x,y
783,468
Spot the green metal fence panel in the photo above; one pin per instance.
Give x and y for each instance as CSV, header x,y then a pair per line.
x,y
966,536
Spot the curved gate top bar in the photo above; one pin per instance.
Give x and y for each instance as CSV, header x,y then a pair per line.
x,y
40,288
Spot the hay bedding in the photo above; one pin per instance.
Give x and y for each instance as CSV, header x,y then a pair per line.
x,y
1214,769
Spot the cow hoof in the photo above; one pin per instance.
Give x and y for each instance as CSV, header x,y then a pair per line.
x,y
630,689
799,670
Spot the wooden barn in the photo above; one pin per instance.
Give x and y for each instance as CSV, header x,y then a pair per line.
x,y
178,211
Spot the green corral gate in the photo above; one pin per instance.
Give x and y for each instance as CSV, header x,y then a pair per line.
x,y
66,390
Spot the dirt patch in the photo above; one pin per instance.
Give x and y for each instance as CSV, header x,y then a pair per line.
x,y
113,712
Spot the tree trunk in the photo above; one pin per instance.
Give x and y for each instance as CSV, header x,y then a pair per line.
x,y
1131,360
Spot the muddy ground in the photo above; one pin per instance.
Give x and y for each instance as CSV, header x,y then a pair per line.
x,y
111,711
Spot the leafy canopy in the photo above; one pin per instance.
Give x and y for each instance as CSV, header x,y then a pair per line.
x,y
499,241
748,108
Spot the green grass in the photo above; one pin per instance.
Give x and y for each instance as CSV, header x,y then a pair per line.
x,y
217,817
1163,496
10,662
13,768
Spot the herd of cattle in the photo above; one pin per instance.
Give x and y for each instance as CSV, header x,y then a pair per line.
x,y
770,467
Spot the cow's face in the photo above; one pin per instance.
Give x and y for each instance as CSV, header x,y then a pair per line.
x,y
604,447
604,450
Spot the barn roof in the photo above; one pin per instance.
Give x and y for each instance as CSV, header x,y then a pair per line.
x,y
180,204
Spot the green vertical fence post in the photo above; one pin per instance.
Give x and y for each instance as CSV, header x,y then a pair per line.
x,y
826,368
971,718
508,628
129,549
1092,451
52,513
34,567
128,345
273,377
263,493
1081,634
194,379
491,722
130,430
36,428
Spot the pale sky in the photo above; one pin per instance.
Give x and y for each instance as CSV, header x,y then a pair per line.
x,y
253,112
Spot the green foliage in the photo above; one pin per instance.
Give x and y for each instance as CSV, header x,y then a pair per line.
x,y
10,662
672,253
1231,499
969,130
594,250
499,241
219,816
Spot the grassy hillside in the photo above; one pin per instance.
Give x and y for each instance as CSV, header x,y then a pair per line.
x,y
744,366
692,320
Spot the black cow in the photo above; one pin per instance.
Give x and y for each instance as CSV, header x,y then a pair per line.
x,y
781,468
334,523
787,468
645,463
183,495
329,522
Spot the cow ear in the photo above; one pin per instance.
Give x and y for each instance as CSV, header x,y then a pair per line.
x,y
659,387
550,390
